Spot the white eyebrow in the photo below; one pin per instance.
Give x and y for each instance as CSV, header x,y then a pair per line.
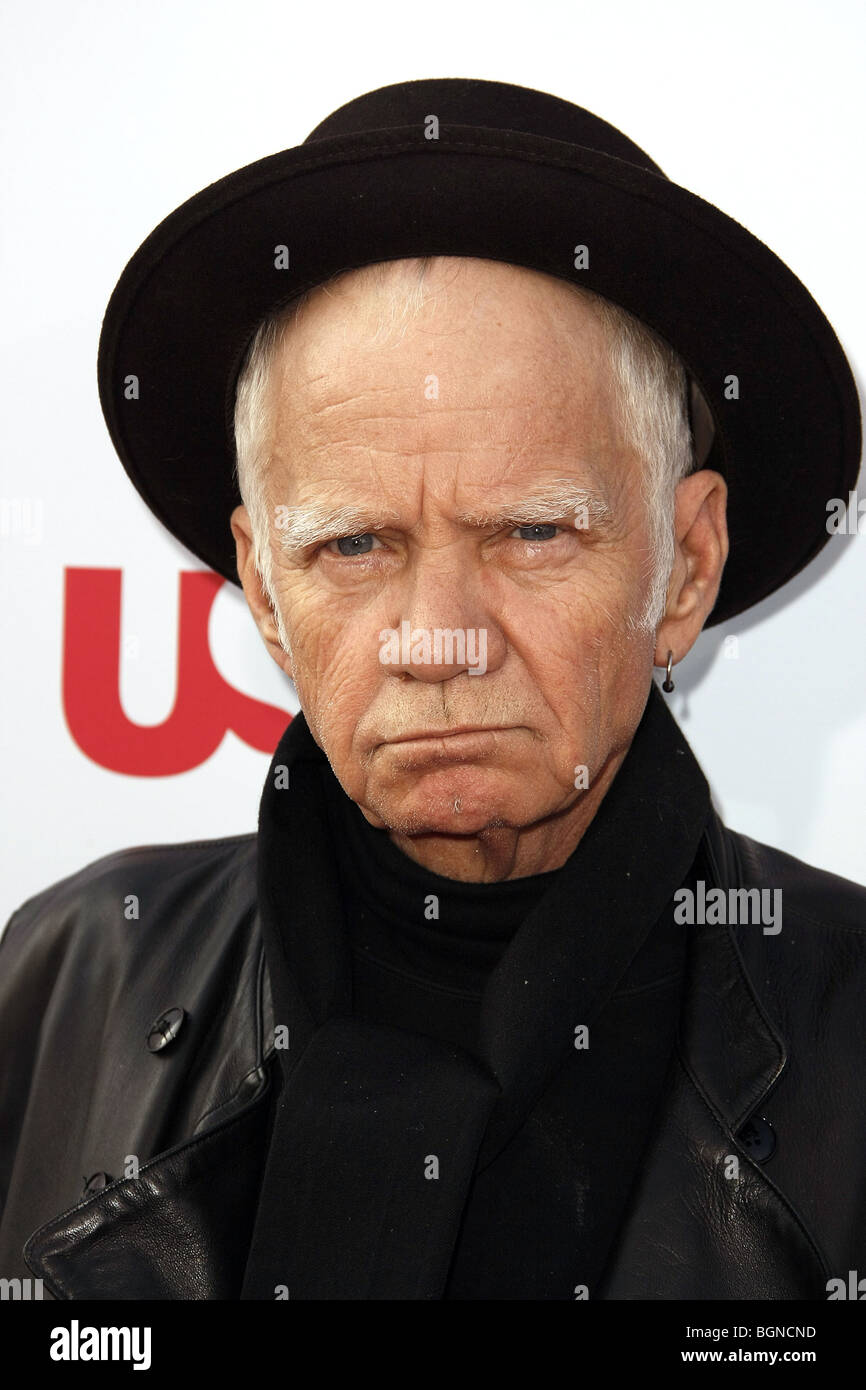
x,y
303,527
553,502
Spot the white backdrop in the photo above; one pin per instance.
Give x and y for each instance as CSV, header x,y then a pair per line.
x,y
114,113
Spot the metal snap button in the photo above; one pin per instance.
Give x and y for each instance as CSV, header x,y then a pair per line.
x,y
165,1029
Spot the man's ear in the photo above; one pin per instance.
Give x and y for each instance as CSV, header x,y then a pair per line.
x,y
701,531
259,602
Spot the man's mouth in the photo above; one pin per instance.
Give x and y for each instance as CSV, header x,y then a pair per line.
x,y
457,731
463,743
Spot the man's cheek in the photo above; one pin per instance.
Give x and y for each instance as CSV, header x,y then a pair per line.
x,y
338,678
312,638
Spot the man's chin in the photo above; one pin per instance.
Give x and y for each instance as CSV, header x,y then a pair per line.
x,y
449,801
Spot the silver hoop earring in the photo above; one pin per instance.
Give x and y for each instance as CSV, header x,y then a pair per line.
x,y
667,683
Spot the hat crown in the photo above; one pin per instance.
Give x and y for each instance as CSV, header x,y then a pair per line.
x,y
478,102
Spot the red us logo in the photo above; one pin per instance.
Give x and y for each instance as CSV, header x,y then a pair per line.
x,y
206,706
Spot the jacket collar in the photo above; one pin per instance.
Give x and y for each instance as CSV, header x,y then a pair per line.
x,y
728,1041
703,1211
730,1055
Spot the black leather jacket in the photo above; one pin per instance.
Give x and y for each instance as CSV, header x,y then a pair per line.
x,y
769,1068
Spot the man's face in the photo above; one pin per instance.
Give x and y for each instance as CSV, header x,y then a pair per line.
x,y
495,398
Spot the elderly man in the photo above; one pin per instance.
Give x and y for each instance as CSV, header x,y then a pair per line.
x,y
493,1005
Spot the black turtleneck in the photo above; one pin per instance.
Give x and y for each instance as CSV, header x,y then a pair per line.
x,y
423,946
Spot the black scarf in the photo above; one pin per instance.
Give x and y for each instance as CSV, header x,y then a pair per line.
x,y
348,1208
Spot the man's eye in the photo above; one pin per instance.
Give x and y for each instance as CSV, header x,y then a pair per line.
x,y
543,531
354,545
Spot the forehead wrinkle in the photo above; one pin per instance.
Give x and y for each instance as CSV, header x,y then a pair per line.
x,y
389,419
420,437
332,390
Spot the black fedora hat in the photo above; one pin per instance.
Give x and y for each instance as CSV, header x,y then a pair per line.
x,y
465,167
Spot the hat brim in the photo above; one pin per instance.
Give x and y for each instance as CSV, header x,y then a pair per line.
x,y
188,303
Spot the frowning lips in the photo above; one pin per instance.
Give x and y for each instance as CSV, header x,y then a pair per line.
x,y
451,733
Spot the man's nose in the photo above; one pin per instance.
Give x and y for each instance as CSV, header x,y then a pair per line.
x,y
444,628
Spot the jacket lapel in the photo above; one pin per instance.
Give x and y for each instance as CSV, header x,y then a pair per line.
x,y
704,1215
180,1230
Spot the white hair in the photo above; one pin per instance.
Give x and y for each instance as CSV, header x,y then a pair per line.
x,y
650,390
